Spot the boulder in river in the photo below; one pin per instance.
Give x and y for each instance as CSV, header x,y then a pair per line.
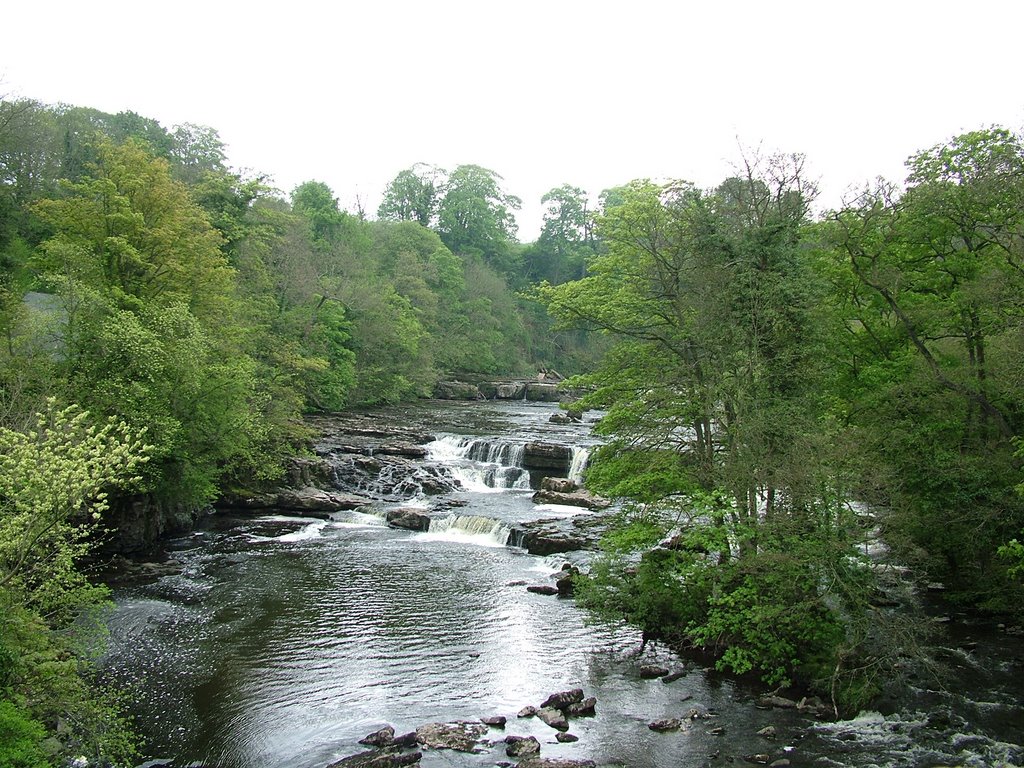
x,y
559,485
554,718
585,708
460,736
667,724
496,721
382,738
577,499
379,759
563,699
521,746
652,671
547,456
542,589
510,390
527,711
410,518
542,392
566,738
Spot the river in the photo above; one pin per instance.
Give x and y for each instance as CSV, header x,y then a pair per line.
x,y
282,641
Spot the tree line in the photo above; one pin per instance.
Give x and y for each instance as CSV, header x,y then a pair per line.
x,y
785,388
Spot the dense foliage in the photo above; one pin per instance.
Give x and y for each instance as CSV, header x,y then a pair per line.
x,y
768,369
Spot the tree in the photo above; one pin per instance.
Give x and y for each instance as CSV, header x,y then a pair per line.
x,y
54,484
475,216
412,195
934,288
722,430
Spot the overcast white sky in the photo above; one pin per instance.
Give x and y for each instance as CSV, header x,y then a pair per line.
x,y
544,93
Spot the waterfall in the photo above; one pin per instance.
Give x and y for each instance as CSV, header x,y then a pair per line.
x,y
580,457
469,528
484,466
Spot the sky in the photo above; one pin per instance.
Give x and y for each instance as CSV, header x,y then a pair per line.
x,y
544,93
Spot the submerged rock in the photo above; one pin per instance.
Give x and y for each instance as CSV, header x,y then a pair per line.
x,y
542,589
460,736
379,759
546,762
667,724
652,671
382,738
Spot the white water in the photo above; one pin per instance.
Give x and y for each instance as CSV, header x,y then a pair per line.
x,y
469,529
482,466
580,457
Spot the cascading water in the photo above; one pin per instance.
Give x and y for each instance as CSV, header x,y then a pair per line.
x,y
482,465
580,457
469,528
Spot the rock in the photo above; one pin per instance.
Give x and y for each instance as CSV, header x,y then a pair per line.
x,y
668,724
674,675
379,759
767,732
495,722
549,542
518,583
564,581
405,740
697,713
779,702
542,589
512,390
521,746
457,390
547,456
527,711
718,731
577,499
559,485
383,738
566,738
780,763
317,500
542,392
460,736
563,699
652,671
758,759
554,718
583,708
400,448
546,762
409,518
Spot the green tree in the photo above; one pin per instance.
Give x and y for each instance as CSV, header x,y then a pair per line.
x,y
475,216
54,484
412,195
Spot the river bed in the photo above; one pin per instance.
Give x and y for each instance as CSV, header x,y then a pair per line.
x,y
283,641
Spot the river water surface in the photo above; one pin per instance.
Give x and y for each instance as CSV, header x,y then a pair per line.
x,y
283,641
